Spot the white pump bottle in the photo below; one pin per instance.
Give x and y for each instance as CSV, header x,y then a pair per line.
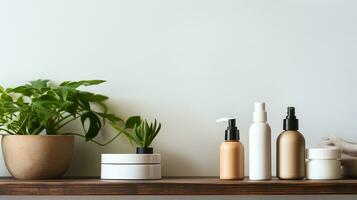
x,y
259,145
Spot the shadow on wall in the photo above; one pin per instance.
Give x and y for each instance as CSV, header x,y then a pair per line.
x,y
87,157
180,163
86,160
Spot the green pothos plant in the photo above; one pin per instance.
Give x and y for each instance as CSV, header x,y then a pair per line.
x,y
42,106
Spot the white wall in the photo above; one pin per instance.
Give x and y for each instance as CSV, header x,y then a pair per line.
x,y
189,62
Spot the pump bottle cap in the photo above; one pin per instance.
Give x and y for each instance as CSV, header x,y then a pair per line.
x,y
232,132
291,123
259,114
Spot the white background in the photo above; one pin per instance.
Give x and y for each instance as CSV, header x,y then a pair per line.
x,y
189,62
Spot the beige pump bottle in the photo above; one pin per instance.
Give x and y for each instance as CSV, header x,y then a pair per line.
x,y
290,149
231,153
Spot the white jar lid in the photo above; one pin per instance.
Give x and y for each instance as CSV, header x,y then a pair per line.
x,y
323,153
131,158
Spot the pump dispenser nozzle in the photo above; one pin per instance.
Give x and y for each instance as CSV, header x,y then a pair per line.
x,y
259,115
291,112
291,122
232,132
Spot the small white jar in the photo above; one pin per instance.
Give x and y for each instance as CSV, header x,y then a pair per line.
x,y
323,163
131,166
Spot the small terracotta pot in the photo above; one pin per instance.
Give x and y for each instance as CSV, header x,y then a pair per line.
x,y
37,156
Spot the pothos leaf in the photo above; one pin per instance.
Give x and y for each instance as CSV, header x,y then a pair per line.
x,y
92,97
76,84
9,107
39,84
111,117
25,90
132,122
83,102
94,124
6,97
43,112
72,109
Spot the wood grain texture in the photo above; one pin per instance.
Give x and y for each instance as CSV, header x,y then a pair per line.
x,y
175,186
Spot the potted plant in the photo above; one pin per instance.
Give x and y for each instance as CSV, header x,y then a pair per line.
x,y
32,117
144,134
142,165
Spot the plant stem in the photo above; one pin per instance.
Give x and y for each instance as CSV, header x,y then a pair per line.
x,y
62,118
121,130
94,141
23,123
37,130
60,126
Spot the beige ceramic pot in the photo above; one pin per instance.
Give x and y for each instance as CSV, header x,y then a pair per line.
x,y
37,156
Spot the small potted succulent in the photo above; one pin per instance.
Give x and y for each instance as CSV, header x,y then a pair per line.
x,y
142,165
32,117
144,134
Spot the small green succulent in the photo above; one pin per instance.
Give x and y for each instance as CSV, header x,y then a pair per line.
x,y
143,132
146,132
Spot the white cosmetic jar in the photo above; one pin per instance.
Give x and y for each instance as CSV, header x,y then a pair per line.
x,y
323,163
131,166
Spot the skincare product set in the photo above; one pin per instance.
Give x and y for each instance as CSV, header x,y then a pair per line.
x,y
292,160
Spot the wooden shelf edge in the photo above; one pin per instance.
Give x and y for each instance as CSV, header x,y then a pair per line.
x,y
175,186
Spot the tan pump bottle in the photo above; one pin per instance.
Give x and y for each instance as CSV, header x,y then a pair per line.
x,y
290,149
231,153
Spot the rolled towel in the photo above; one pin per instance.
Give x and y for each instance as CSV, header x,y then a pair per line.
x,y
347,147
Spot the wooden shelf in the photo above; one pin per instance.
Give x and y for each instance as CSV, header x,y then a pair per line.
x,y
175,186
